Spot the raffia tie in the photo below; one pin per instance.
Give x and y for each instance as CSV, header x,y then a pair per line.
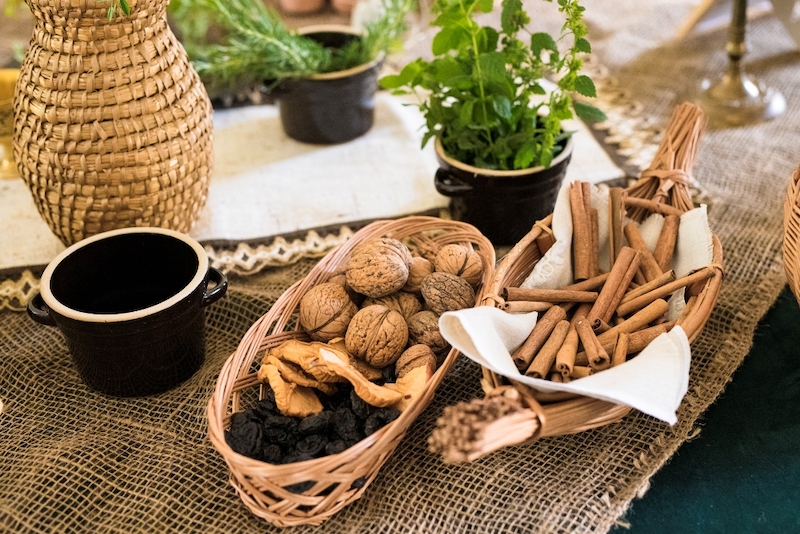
x,y
667,178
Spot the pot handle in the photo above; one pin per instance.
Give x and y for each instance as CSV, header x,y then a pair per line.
x,y
220,288
449,185
39,312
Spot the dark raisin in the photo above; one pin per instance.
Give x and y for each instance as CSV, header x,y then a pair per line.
x,y
280,436
337,400
379,419
272,453
347,426
266,407
281,421
239,419
360,407
335,447
245,438
388,374
319,423
358,483
295,456
313,445
300,487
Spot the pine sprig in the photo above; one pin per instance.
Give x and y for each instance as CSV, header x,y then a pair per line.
x,y
478,92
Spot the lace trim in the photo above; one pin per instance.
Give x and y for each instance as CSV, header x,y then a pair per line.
x,y
246,260
15,294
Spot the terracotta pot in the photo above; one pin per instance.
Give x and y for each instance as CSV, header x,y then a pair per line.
x,y
333,107
503,205
112,125
301,7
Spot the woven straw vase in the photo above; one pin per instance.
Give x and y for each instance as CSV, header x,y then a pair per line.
x,y
112,126
339,479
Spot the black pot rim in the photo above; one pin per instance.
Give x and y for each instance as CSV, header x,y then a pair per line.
x,y
454,163
340,28
65,311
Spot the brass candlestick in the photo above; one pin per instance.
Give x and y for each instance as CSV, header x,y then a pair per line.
x,y
737,99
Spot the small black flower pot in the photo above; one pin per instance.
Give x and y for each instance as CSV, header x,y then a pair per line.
x,y
130,305
333,107
503,205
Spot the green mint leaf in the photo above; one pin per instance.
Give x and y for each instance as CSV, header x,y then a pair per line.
x,y
502,106
585,86
487,40
448,39
406,76
391,81
524,156
509,17
582,45
445,69
538,89
466,112
588,112
493,67
542,41
126,8
484,6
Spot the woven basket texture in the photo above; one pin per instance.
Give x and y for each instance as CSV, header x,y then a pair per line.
x,y
112,124
791,234
662,187
262,486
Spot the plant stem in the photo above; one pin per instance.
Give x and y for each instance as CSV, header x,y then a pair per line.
x,y
474,36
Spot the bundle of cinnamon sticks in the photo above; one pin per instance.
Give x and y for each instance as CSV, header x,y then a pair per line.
x,y
602,319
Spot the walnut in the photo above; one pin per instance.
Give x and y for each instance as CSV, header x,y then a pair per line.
x,y
447,292
460,260
325,311
423,328
414,356
340,278
404,303
378,267
377,334
420,268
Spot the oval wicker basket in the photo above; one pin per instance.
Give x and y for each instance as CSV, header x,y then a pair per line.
x,y
112,124
791,234
662,189
262,486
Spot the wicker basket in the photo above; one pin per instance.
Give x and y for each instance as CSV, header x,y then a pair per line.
x,y
261,485
112,124
525,414
791,234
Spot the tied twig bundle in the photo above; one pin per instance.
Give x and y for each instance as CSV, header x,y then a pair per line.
x,y
671,166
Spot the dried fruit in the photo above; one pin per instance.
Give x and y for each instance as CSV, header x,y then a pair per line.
x,y
372,393
459,260
379,419
325,311
447,292
423,328
415,356
404,303
377,335
378,267
293,400
291,372
411,385
420,268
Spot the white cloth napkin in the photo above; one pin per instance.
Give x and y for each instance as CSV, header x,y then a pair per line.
x,y
655,381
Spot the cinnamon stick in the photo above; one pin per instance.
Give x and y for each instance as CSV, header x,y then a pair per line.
x,y
616,206
595,253
643,203
599,326
619,277
541,331
545,240
580,312
544,359
637,321
547,295
522,306
665,278
620,354
665,290
649,266
665,246
581,371
595,353
637,341
581,228
565,357
590,284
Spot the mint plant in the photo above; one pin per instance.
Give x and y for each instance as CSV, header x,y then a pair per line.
x,y
477,94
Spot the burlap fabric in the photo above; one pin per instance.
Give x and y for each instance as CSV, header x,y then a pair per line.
x,y
71,460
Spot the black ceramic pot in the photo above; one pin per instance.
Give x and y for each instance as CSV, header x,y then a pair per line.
x,y
130,305
503,205
333,107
